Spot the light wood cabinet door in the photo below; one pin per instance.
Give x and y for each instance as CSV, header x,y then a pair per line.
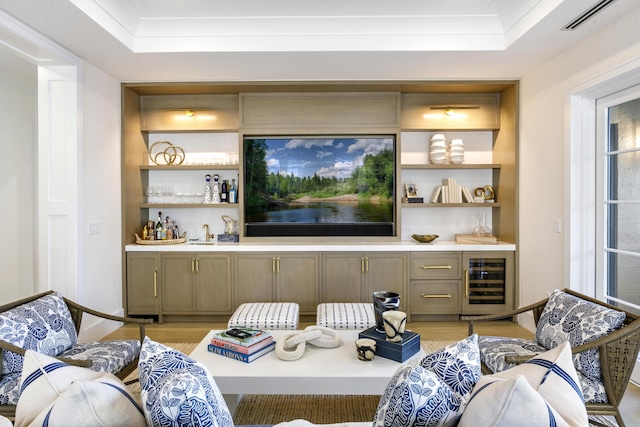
x,y
213,284
254,278
432,297
342,277
386,272
142,284
178,277
297,280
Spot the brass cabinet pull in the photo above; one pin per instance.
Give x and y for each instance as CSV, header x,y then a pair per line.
x,y
155,283
193,265
197,265
437,267
366,263
466,283
278,265
436,295
273,264
362,265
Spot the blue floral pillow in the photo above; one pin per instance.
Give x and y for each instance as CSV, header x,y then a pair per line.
x,y
433,392
568,318
43,325
177,390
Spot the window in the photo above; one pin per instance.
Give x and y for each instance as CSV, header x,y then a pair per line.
x,y
618,199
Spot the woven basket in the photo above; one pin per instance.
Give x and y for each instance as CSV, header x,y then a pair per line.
x,y
140,241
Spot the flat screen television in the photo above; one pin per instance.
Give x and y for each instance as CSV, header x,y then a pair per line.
x,y
315,186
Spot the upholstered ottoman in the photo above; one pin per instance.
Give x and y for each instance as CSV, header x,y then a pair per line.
x,y
266,315
346,315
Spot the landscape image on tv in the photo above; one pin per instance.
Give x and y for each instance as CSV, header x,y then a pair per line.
x,y
319,186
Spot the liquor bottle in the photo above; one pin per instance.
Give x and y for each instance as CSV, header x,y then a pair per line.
x,y
159,227
233,192
216,188
168,232
207,189
224,192
176,232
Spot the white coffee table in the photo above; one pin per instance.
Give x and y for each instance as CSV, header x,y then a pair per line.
x,y
318,371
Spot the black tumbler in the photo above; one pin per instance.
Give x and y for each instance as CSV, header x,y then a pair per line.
x,y
384,301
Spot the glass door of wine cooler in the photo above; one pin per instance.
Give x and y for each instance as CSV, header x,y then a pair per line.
x,y
488,282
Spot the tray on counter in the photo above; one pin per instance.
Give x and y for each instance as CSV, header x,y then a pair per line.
x,y
140,241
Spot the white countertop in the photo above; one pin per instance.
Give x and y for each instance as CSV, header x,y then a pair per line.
x,y
404,246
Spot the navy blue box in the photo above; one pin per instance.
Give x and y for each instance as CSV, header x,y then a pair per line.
x,y
398,351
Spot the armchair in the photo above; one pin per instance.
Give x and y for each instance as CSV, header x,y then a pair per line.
x,y
49,323
605,341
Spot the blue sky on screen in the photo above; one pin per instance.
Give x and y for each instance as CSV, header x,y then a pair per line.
x,y
328,157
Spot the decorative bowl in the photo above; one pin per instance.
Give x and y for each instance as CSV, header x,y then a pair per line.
x,y
425,238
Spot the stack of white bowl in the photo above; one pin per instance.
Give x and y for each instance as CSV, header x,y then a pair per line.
x,y
438,148
456,151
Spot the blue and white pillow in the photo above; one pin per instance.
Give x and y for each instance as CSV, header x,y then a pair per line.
x,y
177,390
543,391
56,394
433,392
43,325
568,318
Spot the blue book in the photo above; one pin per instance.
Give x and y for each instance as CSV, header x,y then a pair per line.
x,y
241,356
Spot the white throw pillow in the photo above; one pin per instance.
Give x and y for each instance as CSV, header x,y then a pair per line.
x,y
56,394
177,390
433,392
552,394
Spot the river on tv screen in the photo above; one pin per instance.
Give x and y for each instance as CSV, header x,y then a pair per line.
x,y
319,180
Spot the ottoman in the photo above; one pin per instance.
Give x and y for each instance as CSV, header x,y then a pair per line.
x,y
266,315
346,315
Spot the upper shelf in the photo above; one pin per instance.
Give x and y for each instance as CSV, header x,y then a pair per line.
x,y
188,167
451,166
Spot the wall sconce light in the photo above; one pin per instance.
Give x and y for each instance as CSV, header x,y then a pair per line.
x,y
188,112
450,110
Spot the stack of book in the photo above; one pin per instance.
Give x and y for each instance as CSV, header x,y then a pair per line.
x,y
240,343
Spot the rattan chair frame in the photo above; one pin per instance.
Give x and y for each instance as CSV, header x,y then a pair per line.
x,y
618,352
77,311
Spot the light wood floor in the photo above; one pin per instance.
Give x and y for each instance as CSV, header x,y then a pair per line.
x,y
429,331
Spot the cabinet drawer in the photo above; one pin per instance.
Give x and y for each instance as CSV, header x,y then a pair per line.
x,y
435,266
435,297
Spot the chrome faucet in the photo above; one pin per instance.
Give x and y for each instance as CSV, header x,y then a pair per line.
x,y
206,232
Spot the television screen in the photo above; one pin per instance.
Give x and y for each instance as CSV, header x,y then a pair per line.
x,y
319,186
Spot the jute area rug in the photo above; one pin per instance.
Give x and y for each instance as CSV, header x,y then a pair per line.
x,y
318,409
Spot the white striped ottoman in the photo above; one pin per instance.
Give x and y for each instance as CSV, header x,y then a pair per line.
x,y
266,315
346,315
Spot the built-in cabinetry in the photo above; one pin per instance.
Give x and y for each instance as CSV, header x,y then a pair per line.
x,y
142,283
277,277
201,115
444,285
353,277
196,283
488,282
435,285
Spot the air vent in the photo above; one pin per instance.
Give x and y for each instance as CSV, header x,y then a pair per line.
x,y
587,14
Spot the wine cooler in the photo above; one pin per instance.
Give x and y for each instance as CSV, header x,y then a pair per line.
x,y
487,282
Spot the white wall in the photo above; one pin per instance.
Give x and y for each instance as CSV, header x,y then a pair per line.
x,y
101,256
545,153
17,185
